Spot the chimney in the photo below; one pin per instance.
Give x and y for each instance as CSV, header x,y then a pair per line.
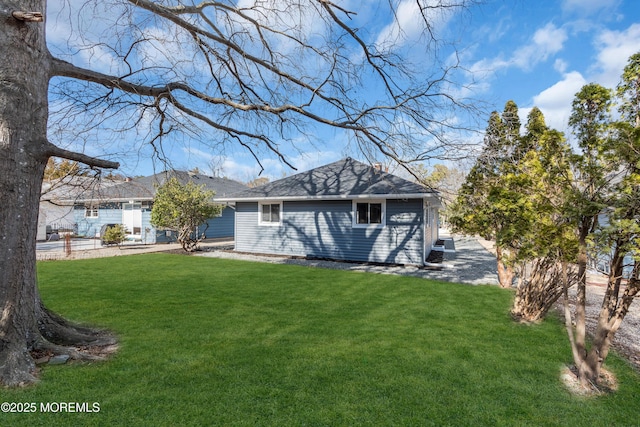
x,y
378,166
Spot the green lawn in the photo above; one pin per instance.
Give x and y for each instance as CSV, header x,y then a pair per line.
x,y
206,341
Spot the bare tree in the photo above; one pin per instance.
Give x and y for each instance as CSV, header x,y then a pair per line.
x,y
254,73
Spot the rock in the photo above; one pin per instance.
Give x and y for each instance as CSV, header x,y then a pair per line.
x,y
60,359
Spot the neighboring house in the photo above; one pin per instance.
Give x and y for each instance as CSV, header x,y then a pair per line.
x,y
129,203
56,211
346,210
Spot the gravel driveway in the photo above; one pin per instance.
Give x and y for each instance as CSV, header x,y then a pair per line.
x,y
470,264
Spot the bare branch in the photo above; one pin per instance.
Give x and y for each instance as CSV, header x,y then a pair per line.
x,y
166,13
54,151
238,81
365,49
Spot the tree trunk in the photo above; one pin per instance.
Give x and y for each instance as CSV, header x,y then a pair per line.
x,y
614,309
581,293
612,312
538,290
577,337
505,271
25,324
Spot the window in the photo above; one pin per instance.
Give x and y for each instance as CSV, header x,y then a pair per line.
x,y
369,214
270,213
91,212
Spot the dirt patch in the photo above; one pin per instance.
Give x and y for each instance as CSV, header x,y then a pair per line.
x,y
607,383
101,352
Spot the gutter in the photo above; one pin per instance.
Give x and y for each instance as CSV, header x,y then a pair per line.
x,y
430,196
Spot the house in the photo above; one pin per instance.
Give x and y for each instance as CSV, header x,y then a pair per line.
x,y
56,211
345,210
129,203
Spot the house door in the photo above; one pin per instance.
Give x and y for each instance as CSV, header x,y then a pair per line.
x,y
430,235
132,218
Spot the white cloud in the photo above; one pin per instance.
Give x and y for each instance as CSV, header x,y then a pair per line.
x,y
405,26
588,7
233,169
555,101
547,41
299,20
615,48
274,169
560,66
242,167
486,68
408,23
208,162
550,39
613,51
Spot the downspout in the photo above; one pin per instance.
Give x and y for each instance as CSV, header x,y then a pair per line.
x,y
425,221
436,220
235,224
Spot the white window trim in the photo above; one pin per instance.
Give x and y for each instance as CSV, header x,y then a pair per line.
x,y
269,223
91,212
354,212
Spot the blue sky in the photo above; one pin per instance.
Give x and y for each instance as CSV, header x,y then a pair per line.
x,y
537,53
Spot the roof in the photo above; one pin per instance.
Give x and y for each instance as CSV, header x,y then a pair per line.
x,y
69,188
144,188
344,179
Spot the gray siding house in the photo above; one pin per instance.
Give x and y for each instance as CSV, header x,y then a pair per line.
x,y
345,210
129,203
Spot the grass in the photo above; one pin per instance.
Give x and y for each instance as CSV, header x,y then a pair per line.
x,y
216,342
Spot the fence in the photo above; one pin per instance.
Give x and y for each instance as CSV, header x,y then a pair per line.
x,y
60,229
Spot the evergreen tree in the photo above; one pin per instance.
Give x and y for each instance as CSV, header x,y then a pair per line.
x,y
608,180
628,91
510,197
59,169
490,202
511,120
546,241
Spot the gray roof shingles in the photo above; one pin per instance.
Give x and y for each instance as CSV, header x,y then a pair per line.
x,y
340,179
144,188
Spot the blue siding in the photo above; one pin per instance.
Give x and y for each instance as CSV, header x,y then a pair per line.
x,y
90,227
222,226
325,229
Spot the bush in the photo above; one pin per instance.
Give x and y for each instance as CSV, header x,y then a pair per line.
x,y
183,208
114,235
